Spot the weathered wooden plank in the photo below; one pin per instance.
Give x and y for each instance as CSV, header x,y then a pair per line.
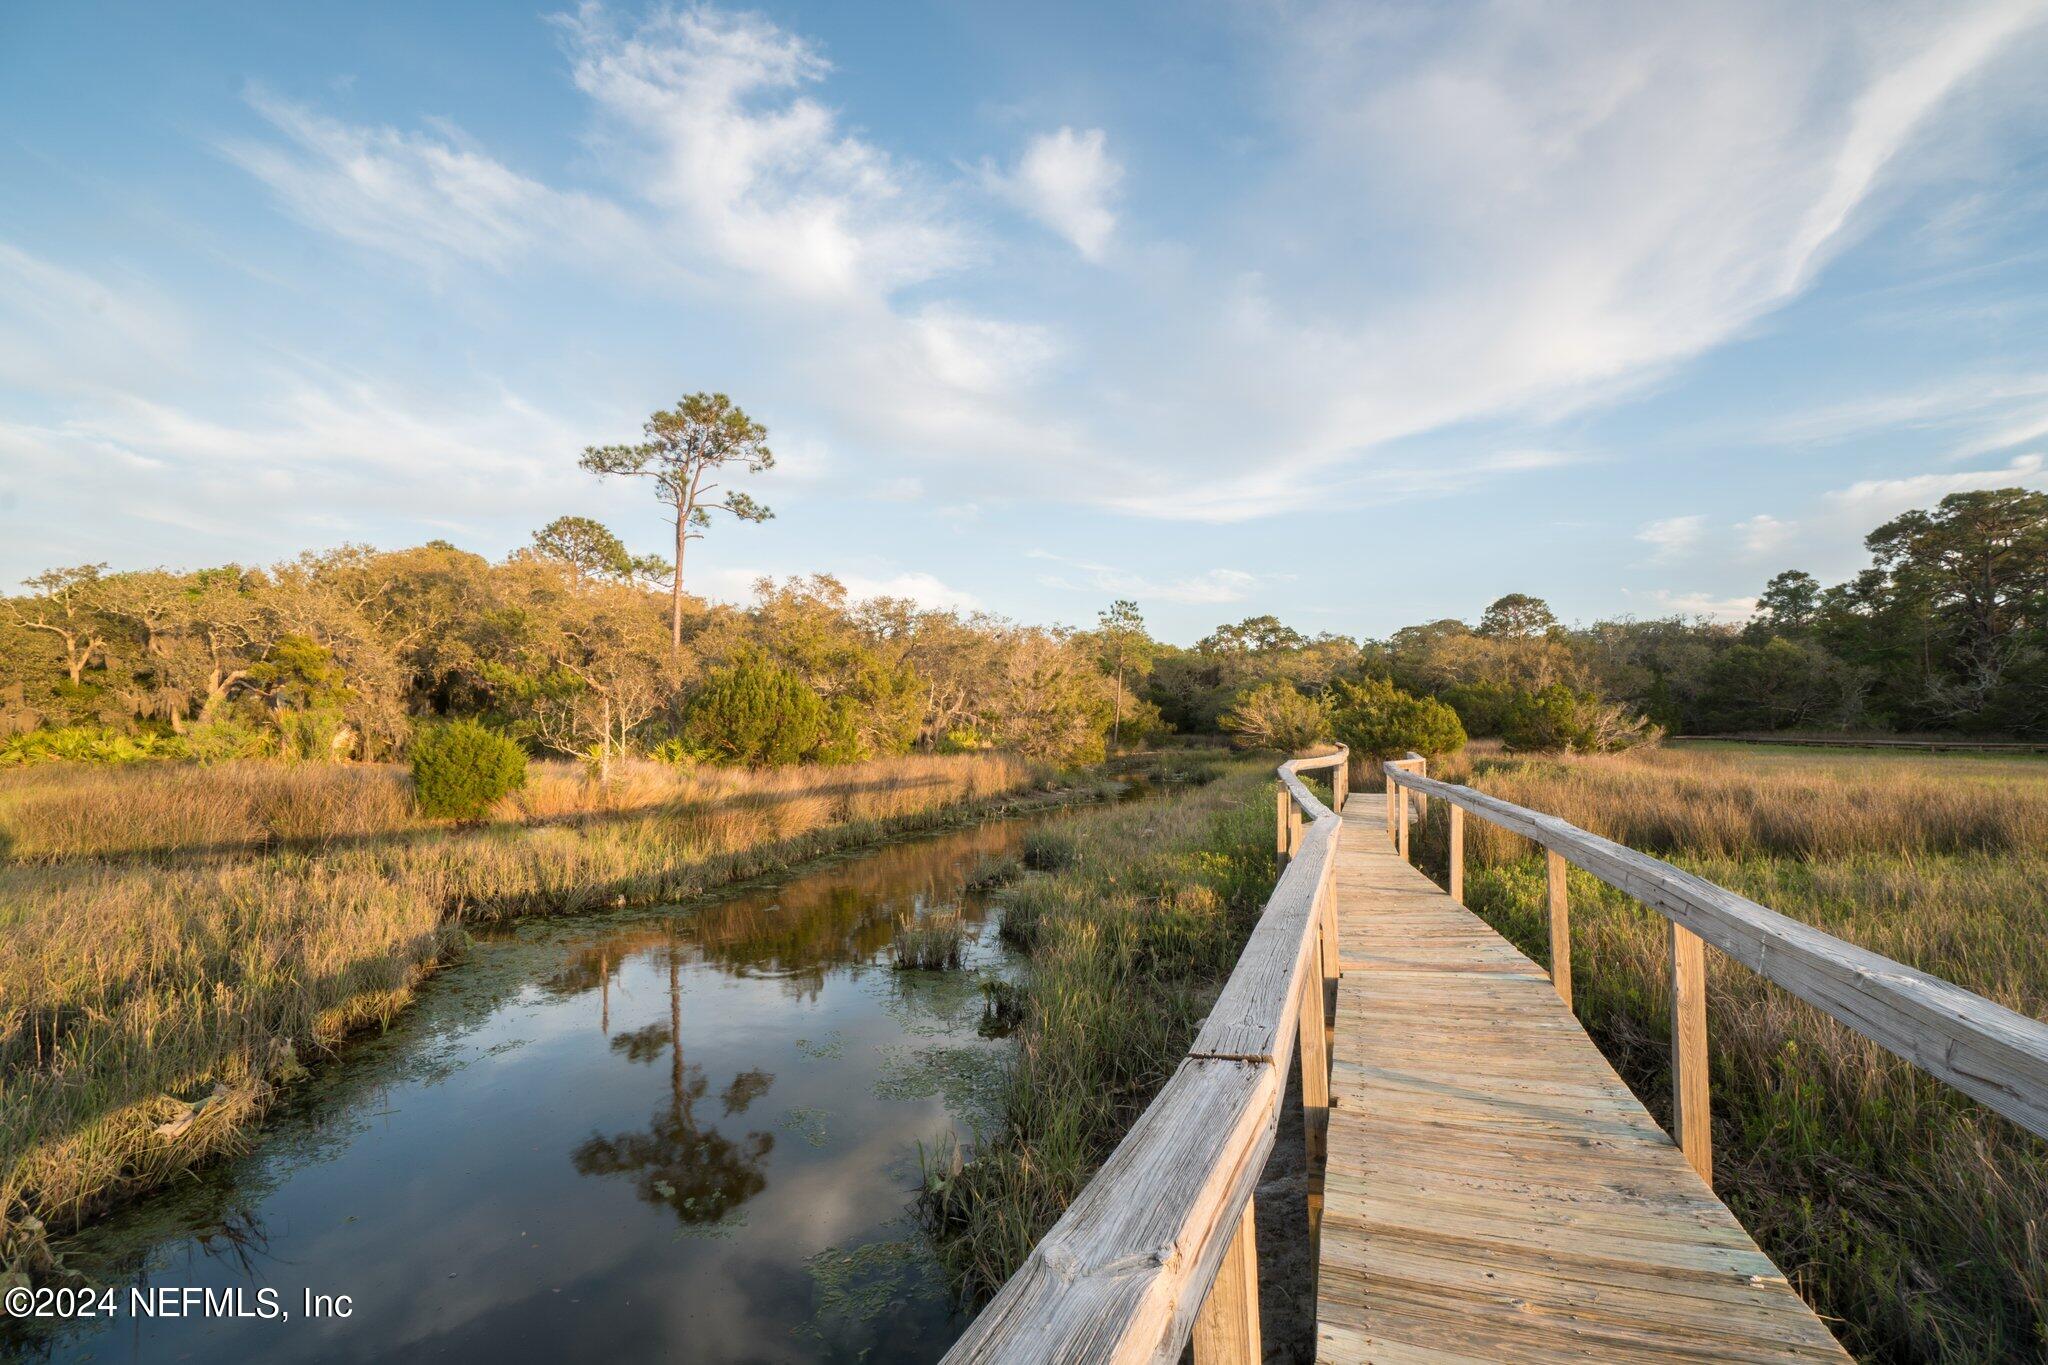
x,y
1991,1053
1253,1017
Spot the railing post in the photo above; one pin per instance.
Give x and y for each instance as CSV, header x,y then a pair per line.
x,y
1458,853
1560,929
1691,1115
1282,804
1227,1326
1388,773
1340,783
1312,1048
1401,839
1331,967
1293,830
1421,798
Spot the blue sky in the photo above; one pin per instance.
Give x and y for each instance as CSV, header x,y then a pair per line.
x,y
1358,314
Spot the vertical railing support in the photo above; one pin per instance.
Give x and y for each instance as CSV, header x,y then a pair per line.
x,y
1331,967
1401,808
1227,1325
1391,793
1293,830
1340,785
1312,1048
1458,853
1282,805
1691,1115
1560,929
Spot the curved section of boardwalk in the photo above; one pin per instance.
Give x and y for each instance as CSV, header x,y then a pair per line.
x,y
1494,1192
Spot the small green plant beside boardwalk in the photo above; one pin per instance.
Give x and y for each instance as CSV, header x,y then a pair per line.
x,y
1911,1216
1133,917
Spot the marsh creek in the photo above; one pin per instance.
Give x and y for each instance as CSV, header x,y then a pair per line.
x,y
690,1133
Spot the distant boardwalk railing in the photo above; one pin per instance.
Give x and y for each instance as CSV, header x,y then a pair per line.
x,y
1159,1247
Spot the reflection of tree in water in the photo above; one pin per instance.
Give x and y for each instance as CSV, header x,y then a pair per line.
x,y
746,1087
695,1170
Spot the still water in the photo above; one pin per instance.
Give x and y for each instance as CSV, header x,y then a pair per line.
x,y
690,1134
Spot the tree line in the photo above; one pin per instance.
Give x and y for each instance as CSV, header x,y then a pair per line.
x,y
567,646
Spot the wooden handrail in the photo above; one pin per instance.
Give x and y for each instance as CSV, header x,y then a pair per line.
x,y
1134,1262
1993,1054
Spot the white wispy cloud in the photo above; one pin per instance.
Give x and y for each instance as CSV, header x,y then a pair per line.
x,y
1067,181
1870,501
430,196
1764,533
1672,537
707,121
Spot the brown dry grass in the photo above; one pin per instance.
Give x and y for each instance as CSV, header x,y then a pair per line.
x,y
182,936
1912,1216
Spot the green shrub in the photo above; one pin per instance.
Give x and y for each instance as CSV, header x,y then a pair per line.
x,y
1276,716
1480,705
1559,720
1379,720
757,713
461,769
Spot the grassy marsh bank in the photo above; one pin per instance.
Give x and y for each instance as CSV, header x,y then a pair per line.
x,y
181,941
1912,1217
1132,918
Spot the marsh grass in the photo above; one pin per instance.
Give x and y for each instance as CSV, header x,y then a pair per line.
x,y
1133,920
179,939
933,943
1911,1216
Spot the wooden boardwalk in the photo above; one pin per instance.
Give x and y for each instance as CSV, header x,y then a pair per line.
x,y
1494,1192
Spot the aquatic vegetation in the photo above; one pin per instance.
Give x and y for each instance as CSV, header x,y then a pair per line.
x,y
930,943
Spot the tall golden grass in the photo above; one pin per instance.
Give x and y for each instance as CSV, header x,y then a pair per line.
x,y
1910,1215
178,940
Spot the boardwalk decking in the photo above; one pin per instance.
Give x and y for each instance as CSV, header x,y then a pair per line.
x,y
1494,1192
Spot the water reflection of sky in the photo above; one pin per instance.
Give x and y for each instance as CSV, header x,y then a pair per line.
x,y
690,1136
